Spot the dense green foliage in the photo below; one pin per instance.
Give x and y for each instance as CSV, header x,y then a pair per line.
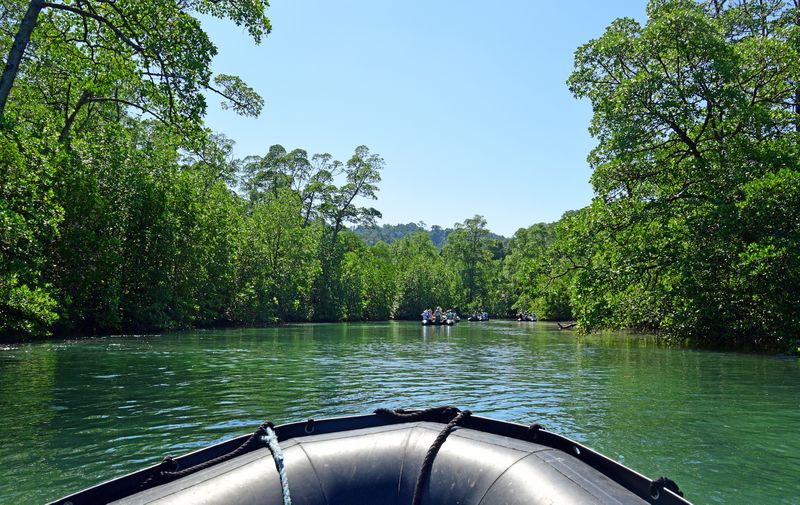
x,y
696,114
105,225
29,220
120,211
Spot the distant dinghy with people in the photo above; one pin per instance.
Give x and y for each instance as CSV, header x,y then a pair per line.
x,y
438,317
440,322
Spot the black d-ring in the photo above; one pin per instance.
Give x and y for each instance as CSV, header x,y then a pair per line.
x,y
309,426
663,483
534,429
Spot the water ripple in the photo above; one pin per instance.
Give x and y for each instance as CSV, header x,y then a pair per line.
x,y
81,411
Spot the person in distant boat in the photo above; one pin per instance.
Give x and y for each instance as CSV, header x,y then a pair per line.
x,y
426,314
449,314
437,315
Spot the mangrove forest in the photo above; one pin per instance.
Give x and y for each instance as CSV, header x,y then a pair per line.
x,y
121,211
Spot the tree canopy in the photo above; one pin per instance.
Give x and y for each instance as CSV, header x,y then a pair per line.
x,y
693,111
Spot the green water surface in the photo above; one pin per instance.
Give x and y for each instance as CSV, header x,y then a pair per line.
x,y
724,426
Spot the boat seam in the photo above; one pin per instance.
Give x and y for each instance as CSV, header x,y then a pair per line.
x,y
595,490
403,460
314,469
501,475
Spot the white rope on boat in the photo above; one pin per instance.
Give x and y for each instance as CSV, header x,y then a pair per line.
x,y
271,439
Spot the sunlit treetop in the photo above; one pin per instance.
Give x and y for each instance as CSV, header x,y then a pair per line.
x,y
98,57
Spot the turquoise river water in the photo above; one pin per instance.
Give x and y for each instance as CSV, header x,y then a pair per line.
x,y
724,426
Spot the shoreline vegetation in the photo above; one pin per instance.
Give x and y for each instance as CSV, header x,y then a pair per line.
x,y
121,212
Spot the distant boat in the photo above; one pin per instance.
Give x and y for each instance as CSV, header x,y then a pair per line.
x,y
440,322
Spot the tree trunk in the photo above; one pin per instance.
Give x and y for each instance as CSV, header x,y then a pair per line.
x,y
18,50
797,110
797,91
71,118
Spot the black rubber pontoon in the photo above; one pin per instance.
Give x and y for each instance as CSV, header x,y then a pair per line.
x,y
376,459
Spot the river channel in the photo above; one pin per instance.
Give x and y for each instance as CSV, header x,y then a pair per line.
x,y
724,426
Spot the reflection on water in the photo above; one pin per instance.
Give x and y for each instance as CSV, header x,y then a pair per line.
x,y
724,426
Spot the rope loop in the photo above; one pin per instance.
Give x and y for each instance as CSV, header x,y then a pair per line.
x,y
427,463
437,414
663,483
168,471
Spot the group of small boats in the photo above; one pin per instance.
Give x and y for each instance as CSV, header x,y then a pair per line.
x,y
449,318
439,318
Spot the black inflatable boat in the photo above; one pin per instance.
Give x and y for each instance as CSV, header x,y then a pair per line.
x,y
435,456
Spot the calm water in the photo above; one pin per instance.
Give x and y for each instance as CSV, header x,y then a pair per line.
x,y
725,427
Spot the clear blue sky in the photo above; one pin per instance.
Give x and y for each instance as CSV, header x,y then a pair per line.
x,y
466,101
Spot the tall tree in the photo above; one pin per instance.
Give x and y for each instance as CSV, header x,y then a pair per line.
x,y
362,173
337,207
689,110
467,251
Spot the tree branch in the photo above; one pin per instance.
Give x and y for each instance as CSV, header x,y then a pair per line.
x,y
98,18
84,98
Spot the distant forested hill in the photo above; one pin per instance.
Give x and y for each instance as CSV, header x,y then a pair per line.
x,y
391,232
